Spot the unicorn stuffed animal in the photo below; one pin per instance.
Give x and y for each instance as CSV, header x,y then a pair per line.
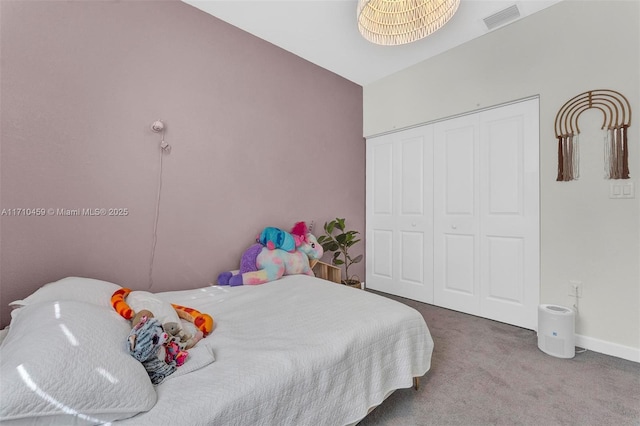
x,y
259,264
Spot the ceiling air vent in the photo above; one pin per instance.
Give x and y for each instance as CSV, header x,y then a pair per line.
x,y
502,17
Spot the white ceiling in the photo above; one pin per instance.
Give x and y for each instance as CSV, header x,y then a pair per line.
x,y
325,32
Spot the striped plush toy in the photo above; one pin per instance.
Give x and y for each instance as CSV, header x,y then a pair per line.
x,y
146,344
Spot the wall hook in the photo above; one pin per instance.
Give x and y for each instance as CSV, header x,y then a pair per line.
x,y
157,126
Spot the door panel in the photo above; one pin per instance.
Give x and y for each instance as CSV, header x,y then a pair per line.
x,y
459,167
456,222
504,165
459,258
412,257
381,254
412,175
406,180
382,192
509,214
505,261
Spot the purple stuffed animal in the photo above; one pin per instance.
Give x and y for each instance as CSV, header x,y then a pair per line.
x,y
260,265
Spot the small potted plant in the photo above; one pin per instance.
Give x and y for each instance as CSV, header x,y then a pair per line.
x,y
338,240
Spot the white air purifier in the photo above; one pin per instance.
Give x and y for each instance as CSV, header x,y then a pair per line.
x,y
556,331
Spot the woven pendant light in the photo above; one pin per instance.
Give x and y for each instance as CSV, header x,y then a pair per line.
x,y
395,22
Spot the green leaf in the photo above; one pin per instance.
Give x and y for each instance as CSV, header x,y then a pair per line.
x,y
330,246
357,259
328,227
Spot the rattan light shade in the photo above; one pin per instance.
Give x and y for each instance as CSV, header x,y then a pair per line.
x,y
394,22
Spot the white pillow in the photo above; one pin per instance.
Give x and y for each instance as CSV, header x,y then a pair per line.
x,y
72,288
66,362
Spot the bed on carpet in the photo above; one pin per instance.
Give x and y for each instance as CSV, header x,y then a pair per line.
x,y
296,351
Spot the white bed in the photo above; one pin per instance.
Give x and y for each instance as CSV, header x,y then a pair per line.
x,y
296,351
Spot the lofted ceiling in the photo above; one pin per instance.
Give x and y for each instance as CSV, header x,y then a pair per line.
x,y
325,32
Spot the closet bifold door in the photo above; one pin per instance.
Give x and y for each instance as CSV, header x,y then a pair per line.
x,y
453,213
510,214
486,214
400,213
456,214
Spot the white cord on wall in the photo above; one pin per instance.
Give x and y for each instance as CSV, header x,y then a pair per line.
x,y
165,148
577,311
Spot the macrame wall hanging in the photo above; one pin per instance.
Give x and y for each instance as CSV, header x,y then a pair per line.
x,y
617,118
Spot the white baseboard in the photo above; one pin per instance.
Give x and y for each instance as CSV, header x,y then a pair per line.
x,y
608,348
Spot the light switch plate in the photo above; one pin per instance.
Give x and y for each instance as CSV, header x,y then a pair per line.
x,y
620,189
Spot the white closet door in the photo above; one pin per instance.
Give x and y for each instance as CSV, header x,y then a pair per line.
x,y
399,214
453,213
509,214
456,214
486,235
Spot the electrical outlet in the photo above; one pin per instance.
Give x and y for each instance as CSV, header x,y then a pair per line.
x,y
575,288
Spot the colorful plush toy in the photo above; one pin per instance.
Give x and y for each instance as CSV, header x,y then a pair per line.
x,y
180,337
176,335
260,265
146,344
275,238
174,354
202,322
299,233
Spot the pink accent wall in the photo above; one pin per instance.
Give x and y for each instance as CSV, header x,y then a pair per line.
x,y
259,136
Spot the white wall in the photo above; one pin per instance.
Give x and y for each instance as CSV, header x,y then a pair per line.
x,y
560,52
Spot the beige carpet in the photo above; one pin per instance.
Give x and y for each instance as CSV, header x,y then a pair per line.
x,y
488,373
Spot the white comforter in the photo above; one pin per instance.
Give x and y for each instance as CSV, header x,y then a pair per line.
x,y
296,351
